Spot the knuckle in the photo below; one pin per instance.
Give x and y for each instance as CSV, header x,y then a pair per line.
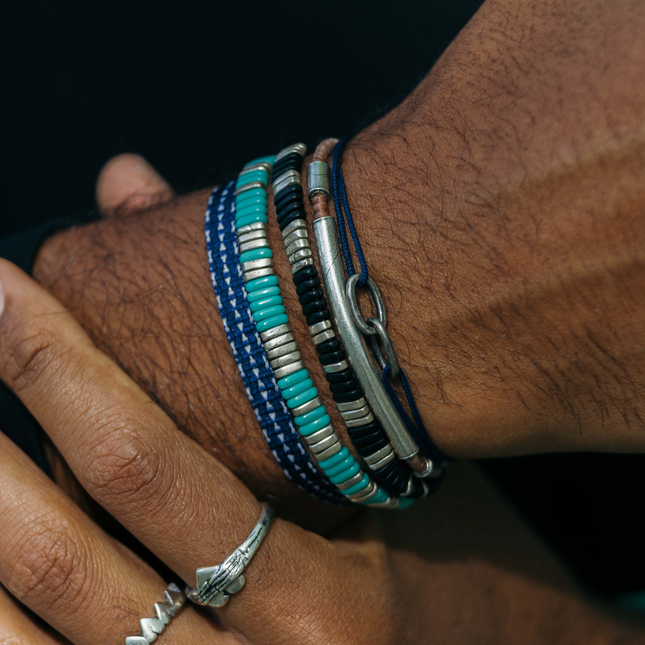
x,y
47,567
125,470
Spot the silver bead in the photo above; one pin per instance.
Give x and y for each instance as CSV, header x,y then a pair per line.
x,y
317,328
318,179
360,413
300,148
256,226
323,445
298,234
351,405
375,457
297,245
292,368
350,482
274,332
278,341
390,502
258,273
307,407
383,462
367,493
285,175
296,225
260,165
287,359
281,350
357,423
262,263
251,235
431,470
336,367
328,334
408,490
307,262
260,243
300,255
319,435
287,179
252,186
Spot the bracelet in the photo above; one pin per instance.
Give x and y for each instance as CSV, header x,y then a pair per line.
x,y
363,428
269,314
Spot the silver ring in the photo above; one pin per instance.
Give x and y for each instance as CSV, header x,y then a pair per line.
x,y
173,601
216,584
355,310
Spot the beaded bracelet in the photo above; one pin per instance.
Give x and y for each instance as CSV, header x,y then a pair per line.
x,y
363,428
265,301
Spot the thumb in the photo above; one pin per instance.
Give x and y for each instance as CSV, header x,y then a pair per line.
x,y
128,183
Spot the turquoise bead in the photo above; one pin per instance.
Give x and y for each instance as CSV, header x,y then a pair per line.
x,y
267,302
342,466
405,502
261,283
357,487
379,498
318,424
260,294
256,196
250,219
301,399
256,254
345,475
257,209
304,419
265,325
269,312
293,379
268,159
334,459
256,175
301,387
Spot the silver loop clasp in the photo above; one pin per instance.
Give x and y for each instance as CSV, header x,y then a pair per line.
x,y
377,299
390,356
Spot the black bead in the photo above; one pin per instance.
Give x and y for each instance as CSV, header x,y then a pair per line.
x,y
369,444
340,377
364,444
313,307
283,167
332,357
304,274
346,397
395,485
363,431
295,205
348,386
291,218
307,285
291,198
310,296
284,194
292,160
319,316
327,346
394,466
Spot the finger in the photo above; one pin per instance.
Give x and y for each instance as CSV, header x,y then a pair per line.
x,y
128,183
57,562
16,628
176,498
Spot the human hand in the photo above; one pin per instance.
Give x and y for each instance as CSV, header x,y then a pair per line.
x,y
466,573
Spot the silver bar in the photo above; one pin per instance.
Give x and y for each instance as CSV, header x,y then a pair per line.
x,y
287,359
262,263
249,228
336,367
297,245
349,415
252,186
378,455
259,243
275,332
292,368
307,262
284,183
334,278
307,407
328,334
252,235
319,435
278,341
281,350
350,482
318,179
321,446
319,327
384,462
357,423
296,225
300,148
300,255
260,165
352,405
299,234
365,494
258,273
330,452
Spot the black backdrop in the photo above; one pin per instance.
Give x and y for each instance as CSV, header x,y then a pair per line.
x,y
200,87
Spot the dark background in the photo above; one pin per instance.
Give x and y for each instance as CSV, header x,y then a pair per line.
x,y
198,88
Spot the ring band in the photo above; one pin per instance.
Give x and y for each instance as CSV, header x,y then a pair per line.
x,y
172,603
216,584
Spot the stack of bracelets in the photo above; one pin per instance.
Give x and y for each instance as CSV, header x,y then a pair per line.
x,y
399,462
